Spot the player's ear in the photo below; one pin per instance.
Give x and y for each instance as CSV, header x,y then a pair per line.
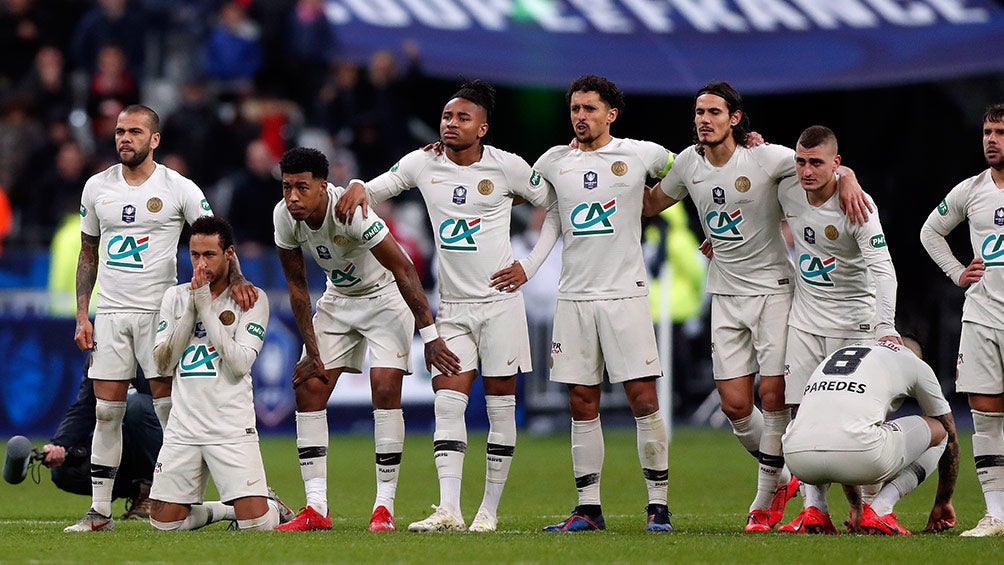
x,y
612,115
155,140
836,161
735,117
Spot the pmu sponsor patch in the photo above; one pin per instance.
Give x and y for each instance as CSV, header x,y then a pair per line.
x,y
256,330
878,240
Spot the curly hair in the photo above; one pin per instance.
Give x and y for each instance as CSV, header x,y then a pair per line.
x,y
607,90
214,225
479,92
304,160
994,113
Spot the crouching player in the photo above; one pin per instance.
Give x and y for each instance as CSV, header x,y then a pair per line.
x,y
841,434
209,344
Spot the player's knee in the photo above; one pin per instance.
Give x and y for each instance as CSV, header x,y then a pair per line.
x,y
735,409
264,523
165,526
386,395
938,432
109,412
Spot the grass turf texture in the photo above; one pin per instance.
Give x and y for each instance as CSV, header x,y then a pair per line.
x,y
712,481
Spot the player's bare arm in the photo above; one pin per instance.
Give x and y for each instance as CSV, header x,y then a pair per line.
x,y
243,292
973,273
655,201
354,197
87,274
295,270
943,513
853,494
853,200
389,254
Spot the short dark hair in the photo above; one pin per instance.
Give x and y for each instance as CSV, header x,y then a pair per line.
x,y
607,90
734,103
479,92
214,225
814,136
150,114
304,160
994,113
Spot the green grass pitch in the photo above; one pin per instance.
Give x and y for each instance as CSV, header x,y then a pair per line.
x,y
711,484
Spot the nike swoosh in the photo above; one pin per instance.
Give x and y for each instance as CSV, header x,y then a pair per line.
x,y
96,527
402,355
436,181
564,171
253,483
650,361
177,317
511,361
787,215
697,181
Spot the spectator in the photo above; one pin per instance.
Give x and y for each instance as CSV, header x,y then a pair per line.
x,y
233,53
195,132
339,101
20,134
310,46
46,83
112,89
19,39
254,190
110,22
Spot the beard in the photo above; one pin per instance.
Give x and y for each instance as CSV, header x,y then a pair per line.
x,y
138,156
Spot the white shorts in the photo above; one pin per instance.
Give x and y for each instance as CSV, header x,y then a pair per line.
x,y
980,364
902,441
592,334
748,334
123,340
345,326
182,471
494,332
804,352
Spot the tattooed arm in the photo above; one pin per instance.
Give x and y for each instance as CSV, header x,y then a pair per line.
x,y
87,274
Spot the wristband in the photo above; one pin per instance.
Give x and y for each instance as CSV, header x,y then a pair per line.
x,y
428,333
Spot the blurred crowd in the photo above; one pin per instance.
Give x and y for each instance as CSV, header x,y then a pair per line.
x,y
236,83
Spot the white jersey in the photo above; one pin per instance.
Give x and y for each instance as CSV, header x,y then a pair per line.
x,y
978,200
600,197
139,228
853,391
740,215
470,209
211,405
834,292
342,251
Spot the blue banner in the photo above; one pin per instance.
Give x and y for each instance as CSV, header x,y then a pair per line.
x,y
676,46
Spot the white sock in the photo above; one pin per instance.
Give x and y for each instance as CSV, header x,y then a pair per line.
x,y
220,511
653,453
869,492
908,479
815,495
198,515
449,446
771,459
312,446
264,523
388,436
587,459
501,445
162,407
106,453
748,431
988,451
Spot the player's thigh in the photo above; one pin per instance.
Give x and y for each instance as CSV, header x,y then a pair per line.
x,y
769,332
575,346
144,335
502,337
912,435
627,338
388,327
180,474
732,351
237,469
980,365
803,353
339,343
454,323
114,355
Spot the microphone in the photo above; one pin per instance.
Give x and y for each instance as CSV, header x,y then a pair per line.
x,y
15,462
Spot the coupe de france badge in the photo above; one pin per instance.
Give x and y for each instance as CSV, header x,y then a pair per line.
x,y
718,195
128,213
459,195
589,180
809,235
323,252
999,216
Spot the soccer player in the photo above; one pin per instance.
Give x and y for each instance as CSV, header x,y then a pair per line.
x,y
131,217
373,296
603,318
845,289
469,192
841,433
735,189
980,200
210,344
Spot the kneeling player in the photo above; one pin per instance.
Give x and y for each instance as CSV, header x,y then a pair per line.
x,y
841,435
209,344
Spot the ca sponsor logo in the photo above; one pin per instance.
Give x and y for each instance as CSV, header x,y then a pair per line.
x,y
344,277
724,226
816,271
457,234
992,250
199,361
878,240
593,218
373,230
256,330
126,251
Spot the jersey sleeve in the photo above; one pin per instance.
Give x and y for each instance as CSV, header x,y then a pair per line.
x,y
369,231
401,177
521,178
871,239
285,227
194,202
89,223
673,184
658,160
949,213
777,160
254,323
927,391
166,322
